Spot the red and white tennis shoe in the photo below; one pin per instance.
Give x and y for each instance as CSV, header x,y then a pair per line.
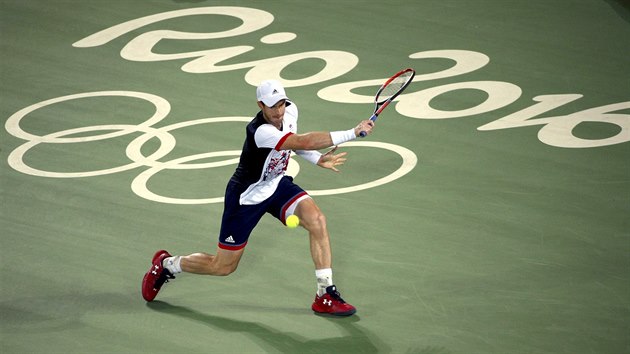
x,y
331,303
156,276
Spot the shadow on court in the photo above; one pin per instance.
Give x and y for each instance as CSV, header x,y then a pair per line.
x,y
356,339
621,7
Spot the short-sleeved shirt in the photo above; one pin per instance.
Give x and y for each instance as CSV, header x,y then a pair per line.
x,y
262,165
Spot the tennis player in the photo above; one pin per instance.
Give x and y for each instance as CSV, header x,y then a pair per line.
x,y
259,186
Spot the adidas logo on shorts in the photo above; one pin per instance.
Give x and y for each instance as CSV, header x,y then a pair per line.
x,y
230,239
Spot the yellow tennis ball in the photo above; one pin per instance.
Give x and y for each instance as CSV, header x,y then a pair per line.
x,y
292,221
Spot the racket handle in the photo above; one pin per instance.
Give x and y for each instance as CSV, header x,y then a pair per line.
x,y
373,119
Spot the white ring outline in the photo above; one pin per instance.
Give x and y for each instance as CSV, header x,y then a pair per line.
x,y
410,160
12,125
16,158
139,184
135,154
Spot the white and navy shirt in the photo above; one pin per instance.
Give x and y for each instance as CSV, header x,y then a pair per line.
x,y
262,164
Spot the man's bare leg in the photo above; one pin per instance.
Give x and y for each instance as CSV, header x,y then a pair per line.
x,y
221,264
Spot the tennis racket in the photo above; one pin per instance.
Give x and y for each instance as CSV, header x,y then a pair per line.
x,y
389,91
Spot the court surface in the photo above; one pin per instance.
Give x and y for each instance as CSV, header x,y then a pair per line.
x,y
488,212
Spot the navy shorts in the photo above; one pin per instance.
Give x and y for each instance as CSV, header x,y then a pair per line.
x,y
239,220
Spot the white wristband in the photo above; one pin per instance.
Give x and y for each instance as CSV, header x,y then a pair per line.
x,y
312,156
340,137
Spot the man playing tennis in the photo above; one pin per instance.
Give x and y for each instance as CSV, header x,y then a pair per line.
x,y
259,186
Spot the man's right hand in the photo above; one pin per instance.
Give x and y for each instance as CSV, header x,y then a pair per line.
x,y
364,126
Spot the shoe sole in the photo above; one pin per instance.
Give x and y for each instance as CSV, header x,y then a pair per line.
x,y
336,314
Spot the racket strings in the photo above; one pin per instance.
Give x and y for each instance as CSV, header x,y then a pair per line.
x,y
394,86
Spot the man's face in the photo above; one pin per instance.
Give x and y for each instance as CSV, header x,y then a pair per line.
x,y
274,115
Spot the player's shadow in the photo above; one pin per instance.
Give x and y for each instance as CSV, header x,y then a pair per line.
x,y
357,339
622,7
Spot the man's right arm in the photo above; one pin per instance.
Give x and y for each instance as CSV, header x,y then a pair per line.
x,y
322,140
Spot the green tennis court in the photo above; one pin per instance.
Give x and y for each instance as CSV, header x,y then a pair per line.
x,y
488,213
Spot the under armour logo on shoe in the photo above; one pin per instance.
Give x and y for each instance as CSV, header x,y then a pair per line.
x,y
327,302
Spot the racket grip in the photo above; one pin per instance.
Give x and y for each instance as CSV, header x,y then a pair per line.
x,y
364,133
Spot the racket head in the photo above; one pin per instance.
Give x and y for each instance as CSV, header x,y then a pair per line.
x,y
389,91
394,86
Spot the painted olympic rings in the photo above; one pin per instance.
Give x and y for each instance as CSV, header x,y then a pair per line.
x,y
153,162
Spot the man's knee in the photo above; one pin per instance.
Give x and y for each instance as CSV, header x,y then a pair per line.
x,y
226,262
226,270
320,219
315,220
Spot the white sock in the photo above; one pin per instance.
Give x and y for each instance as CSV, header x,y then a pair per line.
x,y
173,264
324,280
